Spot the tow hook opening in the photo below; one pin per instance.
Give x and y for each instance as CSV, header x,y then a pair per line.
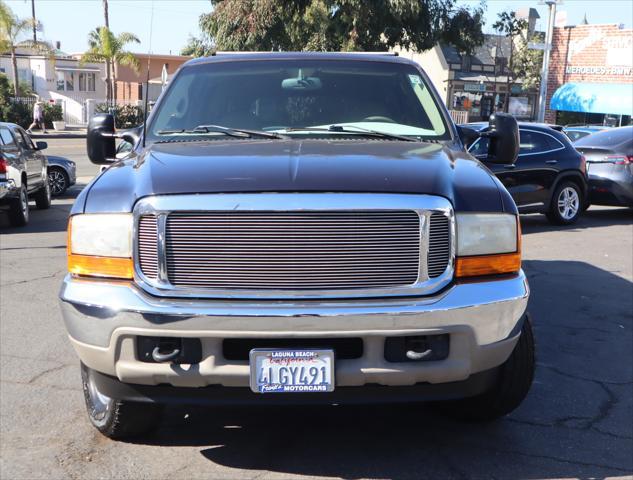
x,y
419,348
168,350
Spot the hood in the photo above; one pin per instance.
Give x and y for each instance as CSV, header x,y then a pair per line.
x,y
247,166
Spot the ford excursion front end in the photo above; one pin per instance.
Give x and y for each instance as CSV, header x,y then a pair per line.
x,y
296,228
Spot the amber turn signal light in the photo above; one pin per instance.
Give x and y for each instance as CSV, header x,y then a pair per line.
x,y
112,267
487,264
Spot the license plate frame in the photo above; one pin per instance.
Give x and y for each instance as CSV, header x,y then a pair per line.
x,y
303,359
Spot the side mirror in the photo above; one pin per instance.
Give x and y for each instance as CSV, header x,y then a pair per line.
x,y
100,139
504,139
41,145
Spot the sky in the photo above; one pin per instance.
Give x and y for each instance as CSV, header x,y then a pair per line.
x,y
69,21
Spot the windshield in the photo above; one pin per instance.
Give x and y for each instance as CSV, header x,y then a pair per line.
x,y
339,97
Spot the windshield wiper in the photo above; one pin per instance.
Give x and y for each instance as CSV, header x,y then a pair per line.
x,y
231,132
357,131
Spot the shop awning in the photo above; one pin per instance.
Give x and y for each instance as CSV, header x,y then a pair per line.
x,y
614,98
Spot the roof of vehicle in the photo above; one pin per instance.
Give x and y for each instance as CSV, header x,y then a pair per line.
x,y
538,126
348,56
610,137
584,129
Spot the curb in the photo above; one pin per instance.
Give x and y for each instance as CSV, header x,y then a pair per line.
x,y
43,136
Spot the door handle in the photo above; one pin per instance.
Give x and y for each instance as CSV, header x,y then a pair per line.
x,y
551,162
510,166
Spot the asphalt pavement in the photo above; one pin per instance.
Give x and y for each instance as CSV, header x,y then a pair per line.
x,y
577,421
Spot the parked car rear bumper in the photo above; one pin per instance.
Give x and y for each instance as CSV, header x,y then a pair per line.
x,y
8,191
611,191
482,318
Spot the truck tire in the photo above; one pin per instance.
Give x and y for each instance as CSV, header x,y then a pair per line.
x,y
43,196
117,419
566,205
512,386
19,209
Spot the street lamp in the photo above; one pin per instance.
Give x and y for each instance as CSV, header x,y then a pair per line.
x,y
548,47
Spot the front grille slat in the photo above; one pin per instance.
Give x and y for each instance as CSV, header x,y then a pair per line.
x,y
254,251
148,245
293,250
438,255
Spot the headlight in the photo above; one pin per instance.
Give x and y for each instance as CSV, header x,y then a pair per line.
x,y
100,245
487,243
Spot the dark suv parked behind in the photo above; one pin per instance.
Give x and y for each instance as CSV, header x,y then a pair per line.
x,y
548,177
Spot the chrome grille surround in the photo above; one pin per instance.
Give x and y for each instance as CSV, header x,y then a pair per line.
x,y
293,203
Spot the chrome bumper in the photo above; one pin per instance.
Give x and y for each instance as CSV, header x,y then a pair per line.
x,y
482,317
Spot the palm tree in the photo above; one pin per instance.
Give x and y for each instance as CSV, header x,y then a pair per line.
x,y
108,48
11,29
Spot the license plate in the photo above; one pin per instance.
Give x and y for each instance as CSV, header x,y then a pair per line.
x,y
292,371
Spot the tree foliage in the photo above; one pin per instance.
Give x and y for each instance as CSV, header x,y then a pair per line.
x,y
337,25
106,47
514,28
527,63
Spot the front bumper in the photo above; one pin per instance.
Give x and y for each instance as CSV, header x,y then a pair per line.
x,y
482,317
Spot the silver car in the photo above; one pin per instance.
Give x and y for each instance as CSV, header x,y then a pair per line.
x,y
62,174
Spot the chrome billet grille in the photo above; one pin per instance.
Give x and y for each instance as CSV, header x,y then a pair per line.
x,y
307,250
439,244
148,245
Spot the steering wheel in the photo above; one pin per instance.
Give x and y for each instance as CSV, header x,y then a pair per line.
x,y
378,118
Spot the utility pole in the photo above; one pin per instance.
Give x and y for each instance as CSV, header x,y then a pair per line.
x,y
34,22
105,13
109,86
548,47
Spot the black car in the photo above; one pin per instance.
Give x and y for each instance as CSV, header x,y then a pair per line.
x,y
609,157
548,177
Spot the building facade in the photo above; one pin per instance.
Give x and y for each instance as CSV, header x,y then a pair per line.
x,y
590,78
474,86
60,78
130,85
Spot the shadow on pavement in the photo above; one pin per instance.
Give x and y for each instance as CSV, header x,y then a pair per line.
x,y
594,217
54,219
576,422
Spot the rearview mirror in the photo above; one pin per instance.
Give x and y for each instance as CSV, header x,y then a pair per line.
x,y
504,139
100,139
41,145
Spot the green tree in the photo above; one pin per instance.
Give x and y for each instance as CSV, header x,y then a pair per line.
x,y
336,25
527,62
514,28
107,48
12,29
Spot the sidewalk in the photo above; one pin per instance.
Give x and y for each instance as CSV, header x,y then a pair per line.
x,y
69,133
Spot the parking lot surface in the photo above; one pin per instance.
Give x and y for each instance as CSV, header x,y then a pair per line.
x,y
577,421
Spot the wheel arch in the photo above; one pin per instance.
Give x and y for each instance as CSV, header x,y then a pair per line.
x,y
572,176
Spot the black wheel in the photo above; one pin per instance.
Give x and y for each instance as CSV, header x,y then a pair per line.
x,y
117,419
566,205
512,385
58,180
19,209
43,196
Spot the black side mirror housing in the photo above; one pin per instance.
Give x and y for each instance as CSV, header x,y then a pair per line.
x,y
504,139
100,139
41,145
